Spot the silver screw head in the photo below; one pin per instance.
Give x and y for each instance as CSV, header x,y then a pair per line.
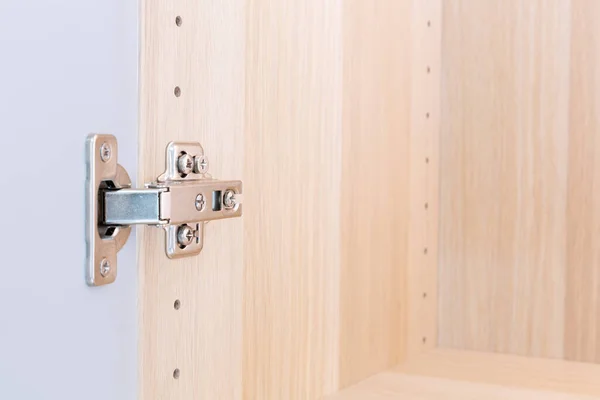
x,y
200,202
229,199
104,267
201,164
185,164
185,235
105,152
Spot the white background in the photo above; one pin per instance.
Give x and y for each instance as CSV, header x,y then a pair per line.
x,y
67,68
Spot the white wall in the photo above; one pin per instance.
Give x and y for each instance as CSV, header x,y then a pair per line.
x,y
67,68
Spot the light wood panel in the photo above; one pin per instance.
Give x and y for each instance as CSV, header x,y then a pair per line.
x,y
374,185
507,370
390,385
582,327
309,103
421,277
292,186
205,57
503,176
452,374
327,130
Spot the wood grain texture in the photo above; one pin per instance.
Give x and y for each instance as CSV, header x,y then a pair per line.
x,y
309,103
291,212
582,327
333,127
390,385
326,133
421,276
503,176
507,370
205,57
374,185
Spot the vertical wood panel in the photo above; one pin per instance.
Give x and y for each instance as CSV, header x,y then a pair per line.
x,y
374,199
504,143
285,95
421,276
582,327
328,132
205,58
520,174
291,211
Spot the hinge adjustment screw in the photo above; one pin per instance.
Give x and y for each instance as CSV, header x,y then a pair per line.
x,y
185,235
229,199
200,202
185,164
201,164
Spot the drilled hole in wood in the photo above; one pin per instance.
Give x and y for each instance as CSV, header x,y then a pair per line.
x,y
176,373
177,304
178,21
177,91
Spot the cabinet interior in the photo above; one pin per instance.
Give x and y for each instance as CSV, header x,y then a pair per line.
x,y
510,214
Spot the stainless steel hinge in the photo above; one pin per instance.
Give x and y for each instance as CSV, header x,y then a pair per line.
x,y
181,201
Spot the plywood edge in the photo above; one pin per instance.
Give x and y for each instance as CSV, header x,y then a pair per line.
x,y
395,385
500,369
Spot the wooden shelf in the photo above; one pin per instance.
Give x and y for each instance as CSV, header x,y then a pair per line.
x,y
462,375
396,385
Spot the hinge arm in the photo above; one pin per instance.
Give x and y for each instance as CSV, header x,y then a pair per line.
x,y
176,204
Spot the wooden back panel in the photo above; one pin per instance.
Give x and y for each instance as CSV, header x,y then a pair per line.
x,y
519,178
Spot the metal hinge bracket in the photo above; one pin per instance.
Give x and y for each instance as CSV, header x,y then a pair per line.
x,y
181,201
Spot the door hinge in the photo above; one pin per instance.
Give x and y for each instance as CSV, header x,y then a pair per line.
x,y
181,201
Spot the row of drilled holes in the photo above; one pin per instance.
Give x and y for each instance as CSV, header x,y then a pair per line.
x,y
177,93
177,302
425,249
178,22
